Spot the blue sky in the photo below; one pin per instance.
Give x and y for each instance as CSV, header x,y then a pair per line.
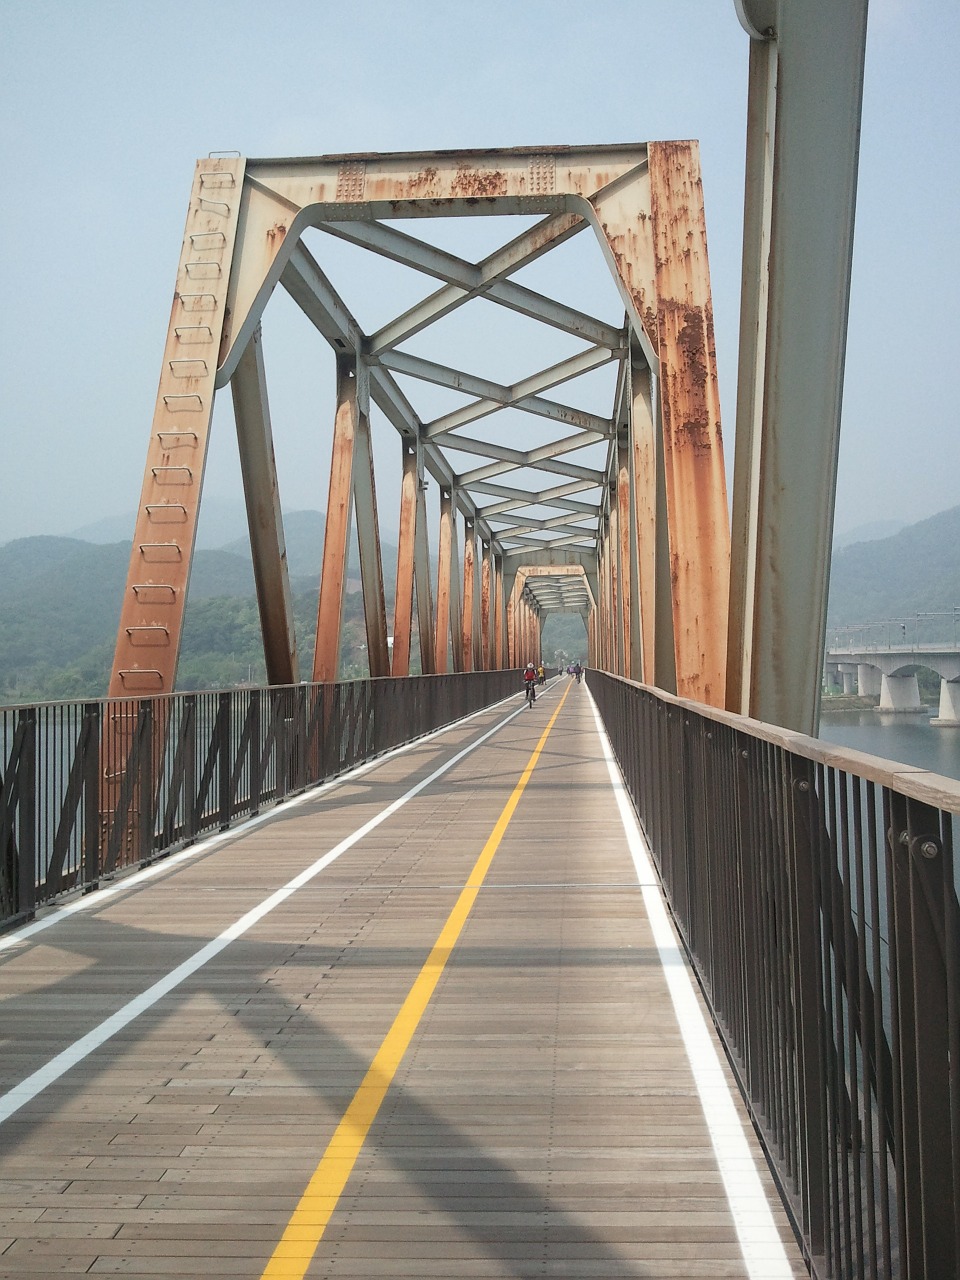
x,y
104,107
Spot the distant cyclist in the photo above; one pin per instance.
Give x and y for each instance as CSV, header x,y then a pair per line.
x,y
578,671
530,683
541,675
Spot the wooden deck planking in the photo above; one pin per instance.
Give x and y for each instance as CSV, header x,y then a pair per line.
x,y
543,1122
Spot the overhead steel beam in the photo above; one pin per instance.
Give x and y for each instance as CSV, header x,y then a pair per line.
x,y
309,287
512,541
517,524
495,396
523,249
555,496
391,243
554,465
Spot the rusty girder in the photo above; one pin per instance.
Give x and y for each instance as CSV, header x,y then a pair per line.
x,y
644,534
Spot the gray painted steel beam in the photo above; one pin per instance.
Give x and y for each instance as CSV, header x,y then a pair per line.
x,y
409,251
261,493
801,193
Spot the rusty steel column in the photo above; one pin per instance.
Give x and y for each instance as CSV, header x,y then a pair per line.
x,y
606,597
468,660
616,602
499,616
693,452
261,493
509,629
428,660
644,444
485,661
441,635
151,619
456,603
333,579
662,262
625,516
368,534
403,602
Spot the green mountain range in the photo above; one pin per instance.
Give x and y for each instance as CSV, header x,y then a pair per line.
x,y
915,573
60,603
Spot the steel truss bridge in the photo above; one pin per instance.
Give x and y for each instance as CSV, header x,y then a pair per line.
x,y
814,893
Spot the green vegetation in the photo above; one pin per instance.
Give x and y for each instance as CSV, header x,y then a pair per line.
x,y
60,600
910,580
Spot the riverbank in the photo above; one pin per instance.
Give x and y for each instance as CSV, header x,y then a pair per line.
x,y
847,702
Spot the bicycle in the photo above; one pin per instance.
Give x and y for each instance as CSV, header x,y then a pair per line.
x,y
530,692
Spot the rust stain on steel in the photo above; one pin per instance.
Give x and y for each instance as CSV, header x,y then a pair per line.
x,y
333,571
628,247
693,453
420,185
478,183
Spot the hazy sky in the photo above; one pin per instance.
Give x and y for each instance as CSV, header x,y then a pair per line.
x,y
104,106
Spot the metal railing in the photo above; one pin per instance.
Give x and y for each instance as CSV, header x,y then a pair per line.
x,y
87,788
816,893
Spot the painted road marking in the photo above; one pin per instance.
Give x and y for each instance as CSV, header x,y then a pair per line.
x,y
304,1231
760,1243
56,915
43,1077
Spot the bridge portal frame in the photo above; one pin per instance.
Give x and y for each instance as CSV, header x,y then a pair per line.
x,y
662,535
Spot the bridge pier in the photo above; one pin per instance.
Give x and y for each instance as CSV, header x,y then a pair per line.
x,y
948,714
848,673
900,693
869,680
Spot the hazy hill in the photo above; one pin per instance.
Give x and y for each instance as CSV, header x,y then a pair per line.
x,y
866,532
221,521
915,571
60,601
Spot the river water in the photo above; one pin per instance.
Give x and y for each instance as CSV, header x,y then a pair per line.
x,y
906,737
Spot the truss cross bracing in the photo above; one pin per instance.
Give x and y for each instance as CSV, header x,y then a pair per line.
x,y
618,514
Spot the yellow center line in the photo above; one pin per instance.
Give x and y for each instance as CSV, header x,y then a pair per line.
x,y
303,1233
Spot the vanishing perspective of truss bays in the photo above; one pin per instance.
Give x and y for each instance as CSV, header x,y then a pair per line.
x,y
619,515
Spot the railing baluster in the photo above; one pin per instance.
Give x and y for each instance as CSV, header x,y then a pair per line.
x,y
845,1043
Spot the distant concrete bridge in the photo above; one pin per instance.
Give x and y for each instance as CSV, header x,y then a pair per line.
x,y
891,672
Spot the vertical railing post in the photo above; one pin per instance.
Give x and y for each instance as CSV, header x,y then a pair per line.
x,y
809,1014
145,779
224,726
90,746
254,749
189,803
27,807
922,901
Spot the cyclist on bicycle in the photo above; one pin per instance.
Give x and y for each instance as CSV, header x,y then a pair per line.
x,y
541,675
530,683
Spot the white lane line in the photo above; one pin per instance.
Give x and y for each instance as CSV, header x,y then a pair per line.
x,y
163,864
20,1094
763,1251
